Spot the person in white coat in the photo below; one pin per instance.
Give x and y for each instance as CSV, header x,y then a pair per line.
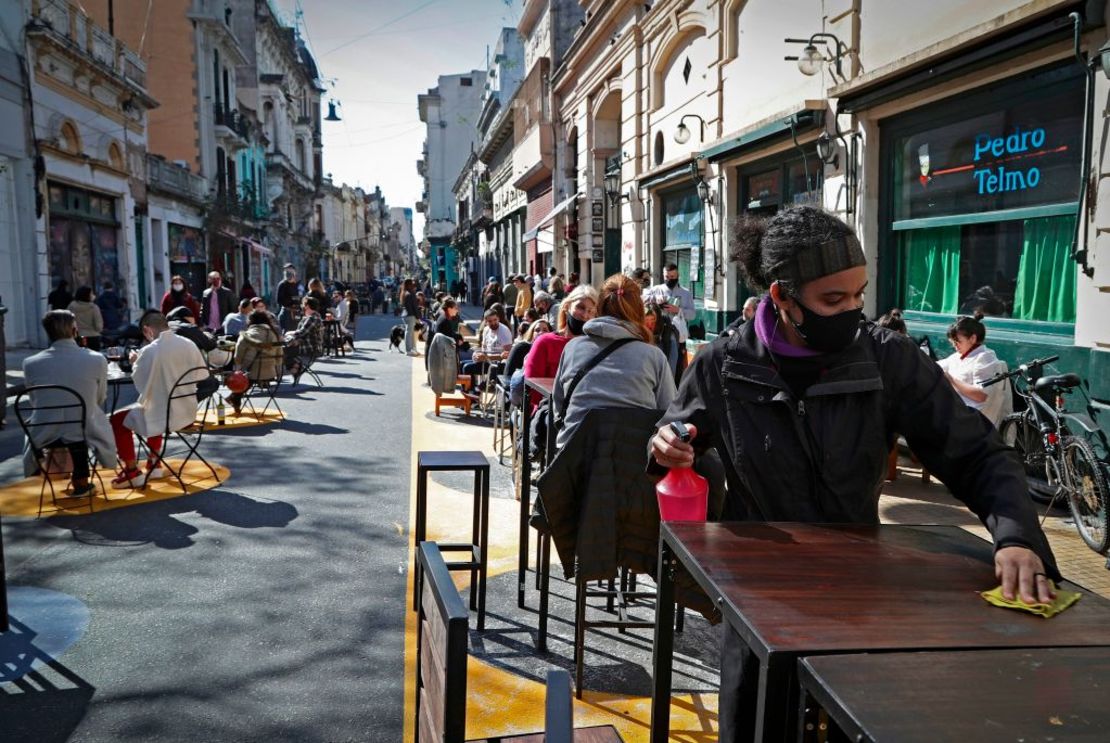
x,y
156,369
86,373
971,365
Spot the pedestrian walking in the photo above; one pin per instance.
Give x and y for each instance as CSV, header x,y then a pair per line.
x,y
60,298
216,303
111,307
179,296
411,313
288,297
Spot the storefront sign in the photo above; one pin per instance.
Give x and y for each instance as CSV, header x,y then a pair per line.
x,y
1016,155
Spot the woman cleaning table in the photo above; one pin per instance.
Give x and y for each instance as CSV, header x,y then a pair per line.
x,y
804,403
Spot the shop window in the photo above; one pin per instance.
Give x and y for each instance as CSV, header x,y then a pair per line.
x,y
683,235
983,201
1020,269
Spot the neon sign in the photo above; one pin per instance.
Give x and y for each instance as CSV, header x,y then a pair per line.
x,y
996,178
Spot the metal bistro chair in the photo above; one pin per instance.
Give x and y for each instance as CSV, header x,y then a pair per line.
x,y
502,418
68,409
191,434
263,385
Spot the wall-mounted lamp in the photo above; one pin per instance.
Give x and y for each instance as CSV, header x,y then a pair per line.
x,y
827,149
813,57
613,186
682,133
709,199
333,115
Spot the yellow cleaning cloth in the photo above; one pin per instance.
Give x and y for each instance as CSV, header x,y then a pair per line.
x,y
1063,600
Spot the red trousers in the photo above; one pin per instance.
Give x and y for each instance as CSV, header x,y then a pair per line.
x,y
125,444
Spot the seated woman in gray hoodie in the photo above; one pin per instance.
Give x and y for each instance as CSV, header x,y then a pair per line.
x,y
634,375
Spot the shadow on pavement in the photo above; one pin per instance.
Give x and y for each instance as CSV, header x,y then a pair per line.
x,y
155,523
41,700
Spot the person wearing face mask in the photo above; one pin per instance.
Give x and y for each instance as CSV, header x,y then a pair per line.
x,y
680,309
156,368
576,310
803,403
179,296
288,297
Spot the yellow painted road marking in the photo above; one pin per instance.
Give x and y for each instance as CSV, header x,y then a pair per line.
x,y
22,498
500,702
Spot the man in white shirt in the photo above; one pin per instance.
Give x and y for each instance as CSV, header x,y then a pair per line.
x,y
156,369
680,308
493,345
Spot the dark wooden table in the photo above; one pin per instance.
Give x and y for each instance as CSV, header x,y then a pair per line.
x,y
793,590
982,695
543,386
3,586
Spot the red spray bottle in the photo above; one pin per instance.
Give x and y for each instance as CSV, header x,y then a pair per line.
x,y
682,493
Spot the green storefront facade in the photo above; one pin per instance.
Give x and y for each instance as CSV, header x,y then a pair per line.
x,y
978,207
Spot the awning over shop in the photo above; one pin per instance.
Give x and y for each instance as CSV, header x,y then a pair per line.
x,y
558,209
811,115
258,247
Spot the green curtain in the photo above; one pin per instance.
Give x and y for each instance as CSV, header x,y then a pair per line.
x,y
1047,274
932,270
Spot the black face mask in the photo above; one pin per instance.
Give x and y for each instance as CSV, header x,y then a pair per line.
x,y
576,326
828,333
671,283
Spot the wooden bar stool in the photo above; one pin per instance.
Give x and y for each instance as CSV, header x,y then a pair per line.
x,y
478,548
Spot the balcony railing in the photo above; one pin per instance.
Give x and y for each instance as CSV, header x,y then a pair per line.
x,y
232,120
65,21
175,180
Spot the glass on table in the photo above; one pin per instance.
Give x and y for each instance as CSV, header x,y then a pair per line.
x,y
114,353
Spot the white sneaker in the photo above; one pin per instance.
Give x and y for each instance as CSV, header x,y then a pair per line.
x,y
155,473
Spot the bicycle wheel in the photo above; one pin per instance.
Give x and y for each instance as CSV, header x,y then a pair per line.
x,y
1087,493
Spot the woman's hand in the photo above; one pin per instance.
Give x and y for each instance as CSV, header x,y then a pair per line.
x,y
1021,572
671,451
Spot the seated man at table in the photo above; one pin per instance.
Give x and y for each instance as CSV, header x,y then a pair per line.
x,y
182,322
494,342
258,303
86,373
156,368
236,322
306,343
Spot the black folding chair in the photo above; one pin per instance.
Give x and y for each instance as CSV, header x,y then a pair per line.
x,y
265,384
44,405
190,435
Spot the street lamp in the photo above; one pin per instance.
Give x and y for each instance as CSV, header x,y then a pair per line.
x,y
682,133
613,185
812,58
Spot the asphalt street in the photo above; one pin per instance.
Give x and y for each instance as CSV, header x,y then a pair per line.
x,y
270,608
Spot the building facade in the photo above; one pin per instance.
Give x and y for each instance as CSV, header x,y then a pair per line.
x,y
19,268
450,110
90,129
955,139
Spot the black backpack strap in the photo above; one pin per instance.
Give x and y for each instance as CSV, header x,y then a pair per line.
x,y
604,354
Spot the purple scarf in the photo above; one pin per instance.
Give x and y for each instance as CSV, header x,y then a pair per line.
x,y
766,329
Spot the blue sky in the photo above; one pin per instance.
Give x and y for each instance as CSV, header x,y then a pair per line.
x,y
381,54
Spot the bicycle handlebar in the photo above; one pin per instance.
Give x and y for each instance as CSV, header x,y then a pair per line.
x,y
1023,370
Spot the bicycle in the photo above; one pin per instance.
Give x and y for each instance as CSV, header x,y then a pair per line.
x,y
1052,443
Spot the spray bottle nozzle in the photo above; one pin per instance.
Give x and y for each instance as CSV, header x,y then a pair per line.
x,y
681,430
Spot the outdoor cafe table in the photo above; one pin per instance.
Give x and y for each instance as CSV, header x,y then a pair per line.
x,y
794,590
971,695
543,386
116,380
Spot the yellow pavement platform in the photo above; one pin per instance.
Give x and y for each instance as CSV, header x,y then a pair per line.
x,y
500,702
245,419
22,498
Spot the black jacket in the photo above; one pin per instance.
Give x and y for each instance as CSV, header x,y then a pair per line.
x,y
599,504
822,458
598,500
225,301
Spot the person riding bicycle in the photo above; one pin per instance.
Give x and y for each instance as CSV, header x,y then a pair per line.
x,y
803,403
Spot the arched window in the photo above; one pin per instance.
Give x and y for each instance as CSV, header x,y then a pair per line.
x,y
115,156
69,139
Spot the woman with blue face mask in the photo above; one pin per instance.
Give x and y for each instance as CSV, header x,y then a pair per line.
x,y
803,403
